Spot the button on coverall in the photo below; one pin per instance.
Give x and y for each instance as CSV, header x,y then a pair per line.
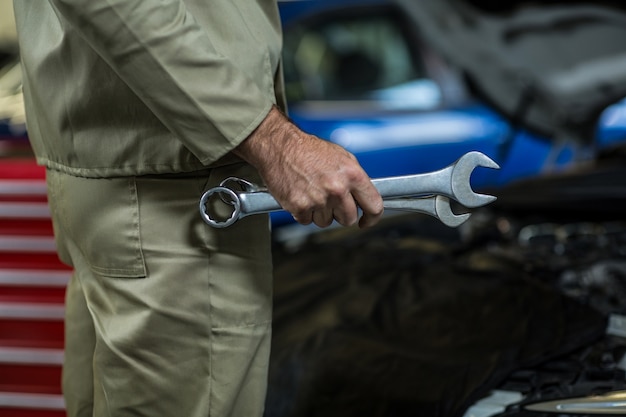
x,y
134,107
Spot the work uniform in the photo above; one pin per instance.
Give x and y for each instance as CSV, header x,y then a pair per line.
x,y
134,107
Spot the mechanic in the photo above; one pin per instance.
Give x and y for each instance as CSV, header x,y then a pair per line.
x,y
136,107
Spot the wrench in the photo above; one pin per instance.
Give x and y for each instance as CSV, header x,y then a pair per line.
x,y
437,206
260,201
452,181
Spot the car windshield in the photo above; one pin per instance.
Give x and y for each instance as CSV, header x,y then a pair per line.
x,y
365,56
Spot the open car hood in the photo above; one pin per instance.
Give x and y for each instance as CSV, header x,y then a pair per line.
x,y
550,66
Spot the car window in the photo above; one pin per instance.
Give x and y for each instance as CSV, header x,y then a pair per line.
x,y
360,56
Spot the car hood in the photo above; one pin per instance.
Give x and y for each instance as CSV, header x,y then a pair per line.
x,y
551,67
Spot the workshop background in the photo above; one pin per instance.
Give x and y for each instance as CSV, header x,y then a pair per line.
x,y
520,311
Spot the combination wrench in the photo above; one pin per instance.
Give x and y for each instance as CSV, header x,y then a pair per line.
x,y
427,193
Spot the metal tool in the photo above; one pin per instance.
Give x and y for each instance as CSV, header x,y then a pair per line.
x,y
605,404
452,181
436,206
427,193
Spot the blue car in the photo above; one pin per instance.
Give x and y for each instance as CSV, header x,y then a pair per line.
x,y
366,74
404,95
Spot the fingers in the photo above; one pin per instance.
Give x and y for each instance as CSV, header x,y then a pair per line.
x,y
323,218
303,218
370,201
345,210
369,220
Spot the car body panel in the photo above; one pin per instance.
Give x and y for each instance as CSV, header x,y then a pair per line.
x,y
395,134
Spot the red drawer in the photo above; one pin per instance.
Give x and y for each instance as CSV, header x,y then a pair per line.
x,y
32,333
21,168
31,294
26,227
46,261
15,412
44,379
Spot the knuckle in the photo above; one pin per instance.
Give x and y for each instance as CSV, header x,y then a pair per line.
x,y
300,208
354,173
337,190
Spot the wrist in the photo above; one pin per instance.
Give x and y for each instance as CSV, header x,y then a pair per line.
x,y
260,147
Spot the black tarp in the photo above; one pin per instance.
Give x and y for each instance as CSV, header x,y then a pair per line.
x,y
408,320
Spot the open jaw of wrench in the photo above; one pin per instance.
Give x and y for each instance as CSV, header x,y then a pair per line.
x,y
427,193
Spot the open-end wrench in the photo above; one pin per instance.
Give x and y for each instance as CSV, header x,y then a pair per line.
x,y
437,206
452,181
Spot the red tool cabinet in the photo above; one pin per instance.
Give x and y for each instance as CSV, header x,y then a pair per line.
x,y
32,288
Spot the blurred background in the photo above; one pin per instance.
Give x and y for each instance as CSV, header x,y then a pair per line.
x,y
7,24
522,304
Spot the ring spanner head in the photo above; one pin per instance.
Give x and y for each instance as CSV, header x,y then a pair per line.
x,y
461,174
227,196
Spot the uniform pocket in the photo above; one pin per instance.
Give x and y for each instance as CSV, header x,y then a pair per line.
x,y
101,217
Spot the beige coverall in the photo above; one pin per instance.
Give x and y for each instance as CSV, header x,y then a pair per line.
x,y
134,107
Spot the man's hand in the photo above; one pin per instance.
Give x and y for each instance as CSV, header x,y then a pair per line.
x,y
315,180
